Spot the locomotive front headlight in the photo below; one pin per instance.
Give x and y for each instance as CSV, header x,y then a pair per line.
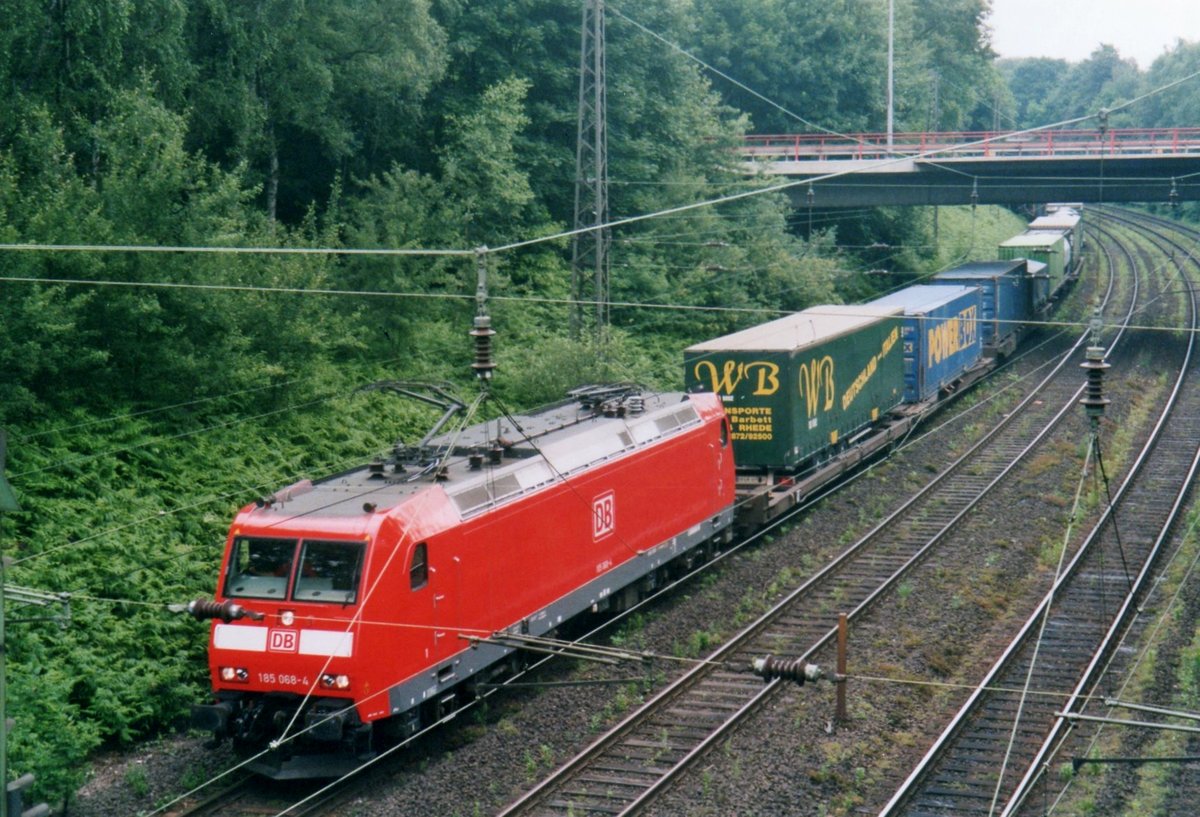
x,y
331,681
287,618
234,674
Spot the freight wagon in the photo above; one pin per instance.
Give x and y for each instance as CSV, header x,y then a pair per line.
x,y
1069,223
800,386
1006,293
940,336
1050,248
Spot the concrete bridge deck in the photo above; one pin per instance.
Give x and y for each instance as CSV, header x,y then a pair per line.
x,y
962,168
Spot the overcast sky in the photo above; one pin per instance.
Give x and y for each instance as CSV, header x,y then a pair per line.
x,y
1072,29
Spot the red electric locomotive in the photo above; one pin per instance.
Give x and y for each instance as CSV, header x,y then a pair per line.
x,y
351,603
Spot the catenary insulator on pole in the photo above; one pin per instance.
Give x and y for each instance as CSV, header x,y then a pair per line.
x,y
482,330
1094,400
787,669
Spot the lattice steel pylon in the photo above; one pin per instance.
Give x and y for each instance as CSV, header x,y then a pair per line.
x,y
589,251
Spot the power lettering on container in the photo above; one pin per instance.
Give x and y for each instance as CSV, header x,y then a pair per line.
x,y
953,335
604,515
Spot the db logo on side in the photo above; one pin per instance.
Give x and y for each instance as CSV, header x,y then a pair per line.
x,y
283,641
604,515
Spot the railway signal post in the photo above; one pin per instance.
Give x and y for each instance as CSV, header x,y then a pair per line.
x,y
1094,400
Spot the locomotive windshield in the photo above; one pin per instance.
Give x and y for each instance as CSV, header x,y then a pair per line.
x,y
329,571
261,568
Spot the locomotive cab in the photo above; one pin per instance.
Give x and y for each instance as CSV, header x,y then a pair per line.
x,y
288,673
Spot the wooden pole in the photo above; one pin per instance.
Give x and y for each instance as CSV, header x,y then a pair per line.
x,y
841,667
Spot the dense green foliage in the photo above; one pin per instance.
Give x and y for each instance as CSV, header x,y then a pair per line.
x,y
148,394
1045,91
826,62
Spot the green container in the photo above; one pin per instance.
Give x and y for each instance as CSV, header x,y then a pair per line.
x,y
796,388
1048,247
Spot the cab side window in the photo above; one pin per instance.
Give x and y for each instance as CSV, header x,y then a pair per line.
x,y
418,571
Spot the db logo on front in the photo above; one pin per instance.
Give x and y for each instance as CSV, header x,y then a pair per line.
x,y
283,641
604,515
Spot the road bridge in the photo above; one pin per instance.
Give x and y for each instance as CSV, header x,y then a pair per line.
x,y
1113,165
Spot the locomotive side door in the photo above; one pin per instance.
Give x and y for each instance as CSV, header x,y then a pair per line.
x,y
422,585
446,584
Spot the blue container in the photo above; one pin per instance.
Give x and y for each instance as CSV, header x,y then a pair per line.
x,y
941,335
1007,304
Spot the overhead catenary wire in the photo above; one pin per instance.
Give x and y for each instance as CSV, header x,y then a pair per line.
x,y
1164,618
350,462
969,412
727,77
398,547
82,458
529,299
1010,181
167,513
1062,555
162,514
133,415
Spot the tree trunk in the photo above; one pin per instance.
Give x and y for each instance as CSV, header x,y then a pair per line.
x,y
272,173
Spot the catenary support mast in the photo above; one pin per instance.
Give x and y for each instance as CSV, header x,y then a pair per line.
x,y
589,257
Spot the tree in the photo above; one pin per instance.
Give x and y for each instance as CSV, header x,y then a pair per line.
x,y
71,57
822,61
954,70
1034,82
302,91
1098,82
1178,106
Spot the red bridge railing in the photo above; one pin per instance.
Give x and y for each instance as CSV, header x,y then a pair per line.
x,y
1052,143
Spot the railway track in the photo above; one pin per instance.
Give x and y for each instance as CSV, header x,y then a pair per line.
x,y
1143,668
252,796
627,768
999,744
1163,634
